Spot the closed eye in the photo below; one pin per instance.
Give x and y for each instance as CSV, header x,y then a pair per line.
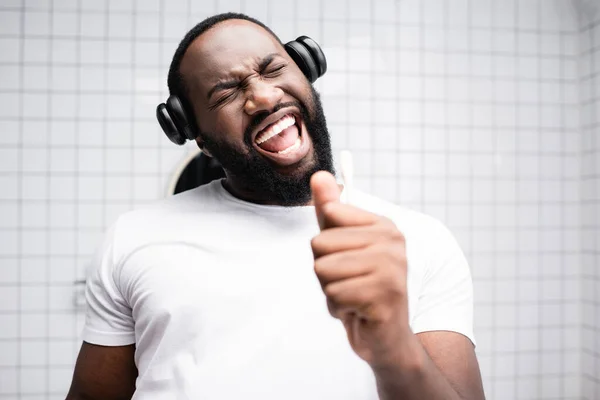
x,y
223,99
274,72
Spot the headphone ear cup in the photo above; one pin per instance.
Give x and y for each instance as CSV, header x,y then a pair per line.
x,y
316,52
167,125
302,57
177,112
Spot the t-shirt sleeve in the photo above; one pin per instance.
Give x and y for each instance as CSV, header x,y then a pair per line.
x,y
108,318
445,302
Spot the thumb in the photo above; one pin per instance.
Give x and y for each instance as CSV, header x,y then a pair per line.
x,y
324,190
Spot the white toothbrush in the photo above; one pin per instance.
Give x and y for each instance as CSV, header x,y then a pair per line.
x,y
347,168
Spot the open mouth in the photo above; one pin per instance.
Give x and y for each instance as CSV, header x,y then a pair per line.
x,y
282,141
281,137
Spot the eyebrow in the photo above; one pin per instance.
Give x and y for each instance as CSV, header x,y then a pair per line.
x,y
264,63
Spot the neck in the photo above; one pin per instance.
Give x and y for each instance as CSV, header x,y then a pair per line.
x,y
245,193
248,195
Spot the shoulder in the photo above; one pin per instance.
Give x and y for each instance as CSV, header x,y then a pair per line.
x,y
413,224
430,245
437,264
167,219
202,199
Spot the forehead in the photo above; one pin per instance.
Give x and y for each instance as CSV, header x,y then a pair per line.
x,y
228,48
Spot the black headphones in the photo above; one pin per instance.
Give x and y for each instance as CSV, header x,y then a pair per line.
x,y
172,117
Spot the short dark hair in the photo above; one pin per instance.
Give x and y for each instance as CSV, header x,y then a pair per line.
x,y
175,80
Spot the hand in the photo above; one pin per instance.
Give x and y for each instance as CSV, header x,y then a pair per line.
x,y
360,260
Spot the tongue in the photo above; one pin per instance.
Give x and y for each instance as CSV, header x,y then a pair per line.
x,y
281,141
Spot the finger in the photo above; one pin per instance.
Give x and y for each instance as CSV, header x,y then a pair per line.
x,y
344,265
338,311
354,295
339,239
340,214
324,190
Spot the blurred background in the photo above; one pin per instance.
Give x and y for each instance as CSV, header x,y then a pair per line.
x,y
482,113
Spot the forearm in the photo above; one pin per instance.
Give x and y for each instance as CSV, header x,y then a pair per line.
x,y
412,375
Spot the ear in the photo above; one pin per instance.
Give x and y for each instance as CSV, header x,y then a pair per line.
x,y
200,144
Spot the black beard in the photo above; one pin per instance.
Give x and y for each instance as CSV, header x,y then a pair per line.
x,y
256,173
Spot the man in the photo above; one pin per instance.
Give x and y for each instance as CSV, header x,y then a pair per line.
x,y
227,291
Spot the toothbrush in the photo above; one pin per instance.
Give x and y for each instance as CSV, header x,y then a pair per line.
x,y
347,168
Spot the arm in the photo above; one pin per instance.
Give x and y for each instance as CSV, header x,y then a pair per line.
x,y
434,365
361,263
103,373
105,368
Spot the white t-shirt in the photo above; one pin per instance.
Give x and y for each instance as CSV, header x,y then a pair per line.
x,y
220,297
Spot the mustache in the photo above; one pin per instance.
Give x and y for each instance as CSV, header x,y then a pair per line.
x,y
265,114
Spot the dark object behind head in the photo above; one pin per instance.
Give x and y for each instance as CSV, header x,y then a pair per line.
x,y
199,171
175,116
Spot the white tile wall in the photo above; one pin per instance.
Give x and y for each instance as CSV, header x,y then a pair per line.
x,y
469,110
590,199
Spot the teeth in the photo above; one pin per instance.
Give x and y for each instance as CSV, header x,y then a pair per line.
x,y
291,148
275,129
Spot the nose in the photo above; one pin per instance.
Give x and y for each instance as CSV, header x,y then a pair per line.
x,y
261,96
